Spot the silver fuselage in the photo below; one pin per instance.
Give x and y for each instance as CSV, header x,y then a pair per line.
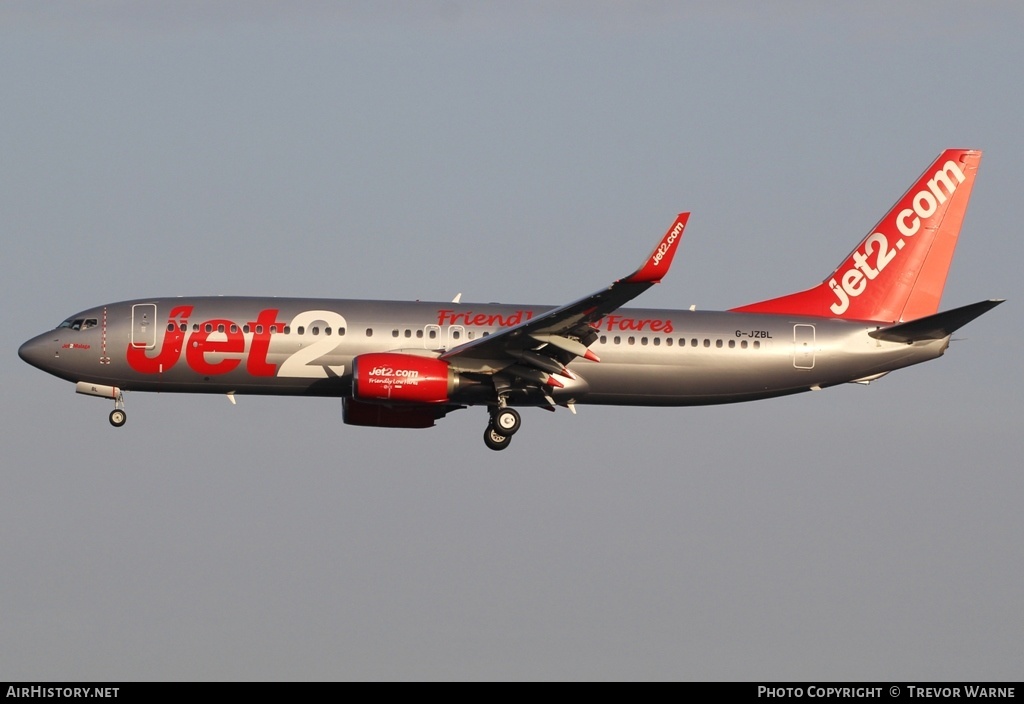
x,y
301,346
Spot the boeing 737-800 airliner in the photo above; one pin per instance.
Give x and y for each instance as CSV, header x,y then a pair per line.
x,y
408,364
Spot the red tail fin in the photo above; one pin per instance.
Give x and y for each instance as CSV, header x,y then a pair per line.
x,y
898,271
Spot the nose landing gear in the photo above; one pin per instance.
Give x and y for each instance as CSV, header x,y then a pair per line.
x,y
118,417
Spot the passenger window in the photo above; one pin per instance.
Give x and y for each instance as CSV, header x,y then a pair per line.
x,y
315,330
369,332
394,333
718,344
732,343
301,330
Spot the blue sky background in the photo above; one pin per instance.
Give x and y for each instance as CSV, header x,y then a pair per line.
x,y
524,152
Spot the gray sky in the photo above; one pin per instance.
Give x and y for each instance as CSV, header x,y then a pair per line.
x,y
530,153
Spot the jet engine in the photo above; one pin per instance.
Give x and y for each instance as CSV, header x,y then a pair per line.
x,y
394,377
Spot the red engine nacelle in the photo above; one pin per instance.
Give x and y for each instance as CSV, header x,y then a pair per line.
x,y
402,378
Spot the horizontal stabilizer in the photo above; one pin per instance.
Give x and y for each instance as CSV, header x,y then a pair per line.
x,y
935,327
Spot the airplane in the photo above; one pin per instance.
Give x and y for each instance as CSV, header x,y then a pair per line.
x,y
408,364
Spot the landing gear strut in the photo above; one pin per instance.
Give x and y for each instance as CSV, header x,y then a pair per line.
x,y
118,417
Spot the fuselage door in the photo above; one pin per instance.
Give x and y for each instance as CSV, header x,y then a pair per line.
x,y
144,326
803,346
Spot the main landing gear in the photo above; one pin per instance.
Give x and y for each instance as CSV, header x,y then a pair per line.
x,y
503,425
494,440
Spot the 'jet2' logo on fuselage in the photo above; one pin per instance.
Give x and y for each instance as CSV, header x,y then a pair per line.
x,y
218,346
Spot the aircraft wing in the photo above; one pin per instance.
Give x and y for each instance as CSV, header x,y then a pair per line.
x,y
545,344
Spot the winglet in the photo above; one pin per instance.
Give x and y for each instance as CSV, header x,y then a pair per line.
x,y
658,263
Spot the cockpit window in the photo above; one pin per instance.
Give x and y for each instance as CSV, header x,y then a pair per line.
x,y
78,324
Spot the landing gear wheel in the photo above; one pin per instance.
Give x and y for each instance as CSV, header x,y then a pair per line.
x,y
506,421
118,417
495,441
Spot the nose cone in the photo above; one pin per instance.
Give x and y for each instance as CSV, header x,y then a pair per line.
x,y
39,351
